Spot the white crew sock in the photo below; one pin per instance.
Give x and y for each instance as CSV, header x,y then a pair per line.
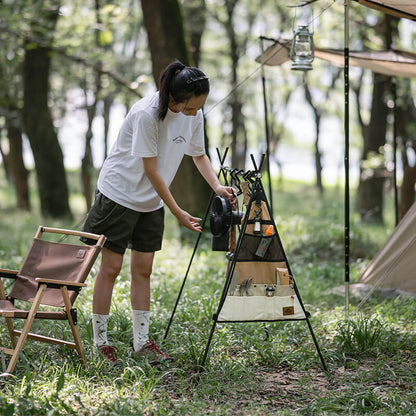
x,y
99,328
141,321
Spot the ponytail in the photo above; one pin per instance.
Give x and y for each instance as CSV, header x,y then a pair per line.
x,y
181,82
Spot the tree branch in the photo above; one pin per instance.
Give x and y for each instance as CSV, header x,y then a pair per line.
x,y
97,66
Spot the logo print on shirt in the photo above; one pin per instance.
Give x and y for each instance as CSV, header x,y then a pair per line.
x,y
179,140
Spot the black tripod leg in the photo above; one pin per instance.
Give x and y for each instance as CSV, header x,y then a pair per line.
x,y
189,267
221,159
205,356
181,289
316,344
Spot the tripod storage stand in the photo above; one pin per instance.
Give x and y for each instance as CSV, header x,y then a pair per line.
x,y
259,284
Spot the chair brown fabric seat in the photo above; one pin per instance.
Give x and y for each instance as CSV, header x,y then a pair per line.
x,y
7,309
52,274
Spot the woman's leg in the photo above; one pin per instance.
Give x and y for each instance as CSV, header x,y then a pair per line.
x,y
141,270
111,263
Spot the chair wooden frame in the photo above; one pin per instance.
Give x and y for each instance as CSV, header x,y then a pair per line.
x,y
68,291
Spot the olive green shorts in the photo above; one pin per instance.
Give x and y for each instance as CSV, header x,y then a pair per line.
x,y
124,227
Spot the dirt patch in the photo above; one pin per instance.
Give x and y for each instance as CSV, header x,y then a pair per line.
x,y
281,387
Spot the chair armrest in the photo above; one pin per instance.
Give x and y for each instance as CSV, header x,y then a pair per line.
x,y
99,238
60,282
10,274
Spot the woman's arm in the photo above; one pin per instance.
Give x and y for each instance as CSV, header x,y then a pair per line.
x,y
187,220
207,171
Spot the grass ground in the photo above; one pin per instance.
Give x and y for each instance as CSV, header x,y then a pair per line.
x,y
370,357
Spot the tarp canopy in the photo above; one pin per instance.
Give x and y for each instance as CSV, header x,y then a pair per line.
x,y
398,8
390,62
394,266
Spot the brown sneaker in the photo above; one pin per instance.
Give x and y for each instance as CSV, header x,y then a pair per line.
x,y
152,353
109,353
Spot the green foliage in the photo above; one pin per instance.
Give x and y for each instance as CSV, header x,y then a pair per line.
x,y
253,368
370,357
360,335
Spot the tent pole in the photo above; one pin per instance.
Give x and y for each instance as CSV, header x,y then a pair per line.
x,y
266,124
396,202
346,159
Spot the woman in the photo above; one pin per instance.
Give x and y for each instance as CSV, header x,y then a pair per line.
x,y
133,187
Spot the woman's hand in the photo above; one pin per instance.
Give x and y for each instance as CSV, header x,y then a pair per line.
x,y
204,166
188,221
227,192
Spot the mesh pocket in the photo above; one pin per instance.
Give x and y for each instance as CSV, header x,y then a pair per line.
x,y
250,245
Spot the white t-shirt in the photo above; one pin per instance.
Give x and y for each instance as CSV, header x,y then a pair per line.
x,y
122,177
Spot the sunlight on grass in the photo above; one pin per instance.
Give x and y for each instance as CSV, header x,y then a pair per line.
x,y
253,368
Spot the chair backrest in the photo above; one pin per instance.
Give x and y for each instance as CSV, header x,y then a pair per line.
x,y
53,260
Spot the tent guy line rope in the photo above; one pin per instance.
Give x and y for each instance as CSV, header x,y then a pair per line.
x,y
248,77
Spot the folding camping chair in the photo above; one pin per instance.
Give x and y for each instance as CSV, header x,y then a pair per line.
x,y
51,274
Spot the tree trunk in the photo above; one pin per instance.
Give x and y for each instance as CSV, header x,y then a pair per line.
x,y
194,13
406,116
237,120
372,177
18,170
50,171
107,103
87,163
369,202
407,190
238,147
317,114
318,156
164,26
165,32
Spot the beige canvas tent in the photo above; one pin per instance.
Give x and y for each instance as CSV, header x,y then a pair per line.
x,y
394,266
398,8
